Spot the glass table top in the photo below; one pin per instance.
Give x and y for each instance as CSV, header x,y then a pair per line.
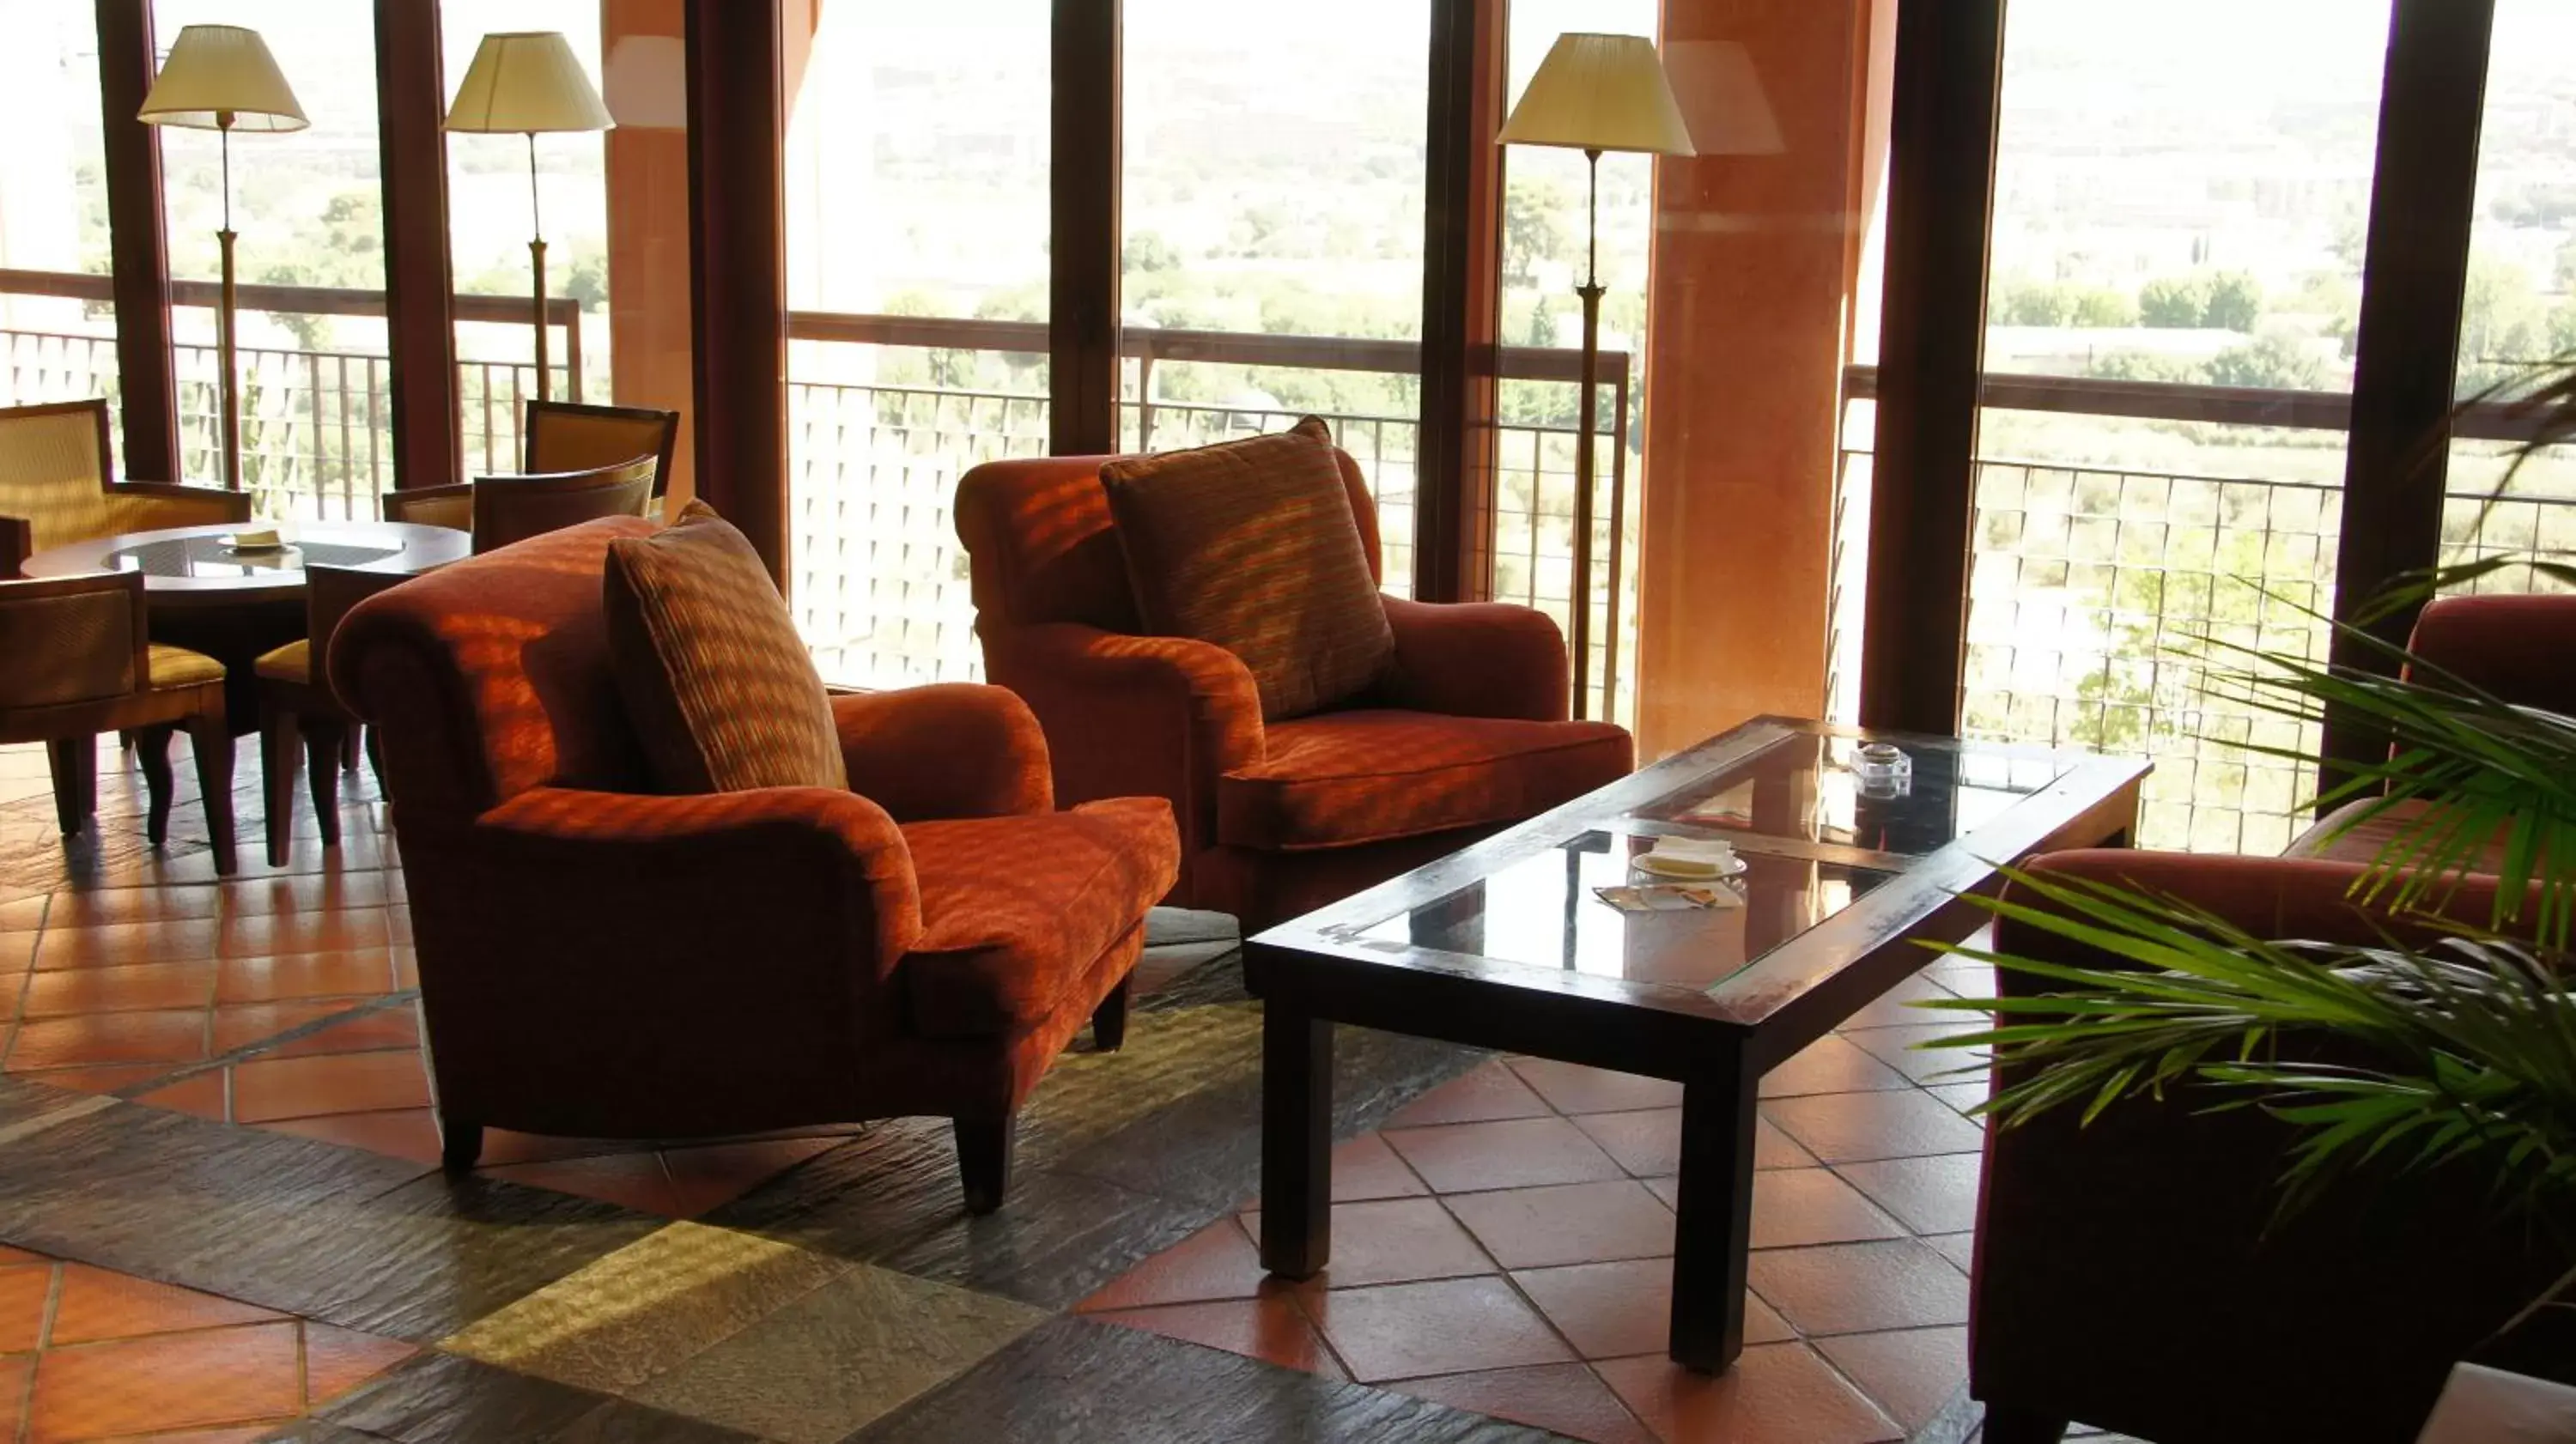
x,y
1803,788
1544,912
213,556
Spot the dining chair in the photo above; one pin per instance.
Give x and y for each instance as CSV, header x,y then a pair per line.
x,y
299,712
570,436
79,662
500,510
56,488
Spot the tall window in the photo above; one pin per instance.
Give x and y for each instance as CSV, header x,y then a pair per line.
x,y
917,271
309,209
2181,196
53,205
2521,311
1273,195
489,226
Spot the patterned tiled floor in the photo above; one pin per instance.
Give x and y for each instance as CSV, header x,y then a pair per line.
x,y
251,1172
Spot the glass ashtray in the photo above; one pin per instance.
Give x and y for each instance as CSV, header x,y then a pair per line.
x,y
1882,768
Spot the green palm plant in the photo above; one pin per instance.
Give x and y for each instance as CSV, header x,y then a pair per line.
x,y
2450,1043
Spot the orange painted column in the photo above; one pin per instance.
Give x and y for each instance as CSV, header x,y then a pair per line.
x,y
1755,264
645,85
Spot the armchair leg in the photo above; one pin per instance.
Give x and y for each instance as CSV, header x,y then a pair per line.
x,y
1109,1020
75,766
279,742
212,743
323,744
460,1144
984,1160
349,749
152,750
2008,1425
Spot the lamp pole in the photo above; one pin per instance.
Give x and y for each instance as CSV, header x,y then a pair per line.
x,y
537,261
227,351
1579,603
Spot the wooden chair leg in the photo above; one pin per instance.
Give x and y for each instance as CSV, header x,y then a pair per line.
x,y
212,743
375,756
460,1144
984,1160
323,741
279,743
2008,1425
152,749
75,766
349,749
1109,1020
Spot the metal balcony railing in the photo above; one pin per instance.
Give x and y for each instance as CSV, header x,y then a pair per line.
x,y
2090,588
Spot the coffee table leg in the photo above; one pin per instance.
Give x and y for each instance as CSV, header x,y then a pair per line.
x,y
1296,1142
1714,1233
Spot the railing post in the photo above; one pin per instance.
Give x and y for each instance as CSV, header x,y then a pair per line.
x,y
1145,399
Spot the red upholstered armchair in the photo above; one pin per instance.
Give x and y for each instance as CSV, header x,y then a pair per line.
x,y
599,961
1468,734
2128,1274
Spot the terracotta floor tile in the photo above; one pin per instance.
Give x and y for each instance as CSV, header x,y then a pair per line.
x,y
1962,1096
24,1289
1217,1262
270,935
17,950
1576,1223
1858,1127
1395,1240
100,1080
175,1036
1775,1394
239,1025
1961,978
1928,1195
338,1360
1959,1248
1366,1168
1648,1144
1799,1206
173,1381
309,892
1574,1088
97,1304
711,1175
1566,1399
363,972
1831,1064
1899,1048
390,1027
1270,1328
1852,1288
1891,1009
15,1375
10,1256
502,1147
631,1180
204,1095
410,1134
107,906
266,1089
1506,1153
124,944
1611,1310
21,916
1486,1092
1450,1326
406,966
1910,1373
140,987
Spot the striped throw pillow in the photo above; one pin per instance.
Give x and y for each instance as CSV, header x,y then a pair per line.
x,y
718,684
1251,545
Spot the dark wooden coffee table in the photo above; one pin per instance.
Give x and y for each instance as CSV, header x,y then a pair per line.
x,y
1505,945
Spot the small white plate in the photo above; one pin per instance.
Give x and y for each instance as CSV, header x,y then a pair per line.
x,y
1664,867
258,549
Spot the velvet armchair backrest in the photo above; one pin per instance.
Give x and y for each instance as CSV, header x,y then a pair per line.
x,y
1044,549
2520,647
491,676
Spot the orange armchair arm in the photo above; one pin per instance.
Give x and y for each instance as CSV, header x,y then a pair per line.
x,y
1131,716
781,873
1478,659
951,750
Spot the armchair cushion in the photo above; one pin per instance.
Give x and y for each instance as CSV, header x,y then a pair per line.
x,y
1015,910
1253,546
1354,777
290,663
722,692
179,667
2362,843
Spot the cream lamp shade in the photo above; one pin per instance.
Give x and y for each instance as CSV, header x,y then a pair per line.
x,y
221,77
1600,92
526,82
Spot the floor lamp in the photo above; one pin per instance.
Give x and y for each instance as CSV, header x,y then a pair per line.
x,y
222,78
528,83
1595,93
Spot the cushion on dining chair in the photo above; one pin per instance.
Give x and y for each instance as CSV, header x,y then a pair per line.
x,y
179,667
290,663
1252,545
720,688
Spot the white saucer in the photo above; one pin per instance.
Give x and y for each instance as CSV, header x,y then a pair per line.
x,y
1663,867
